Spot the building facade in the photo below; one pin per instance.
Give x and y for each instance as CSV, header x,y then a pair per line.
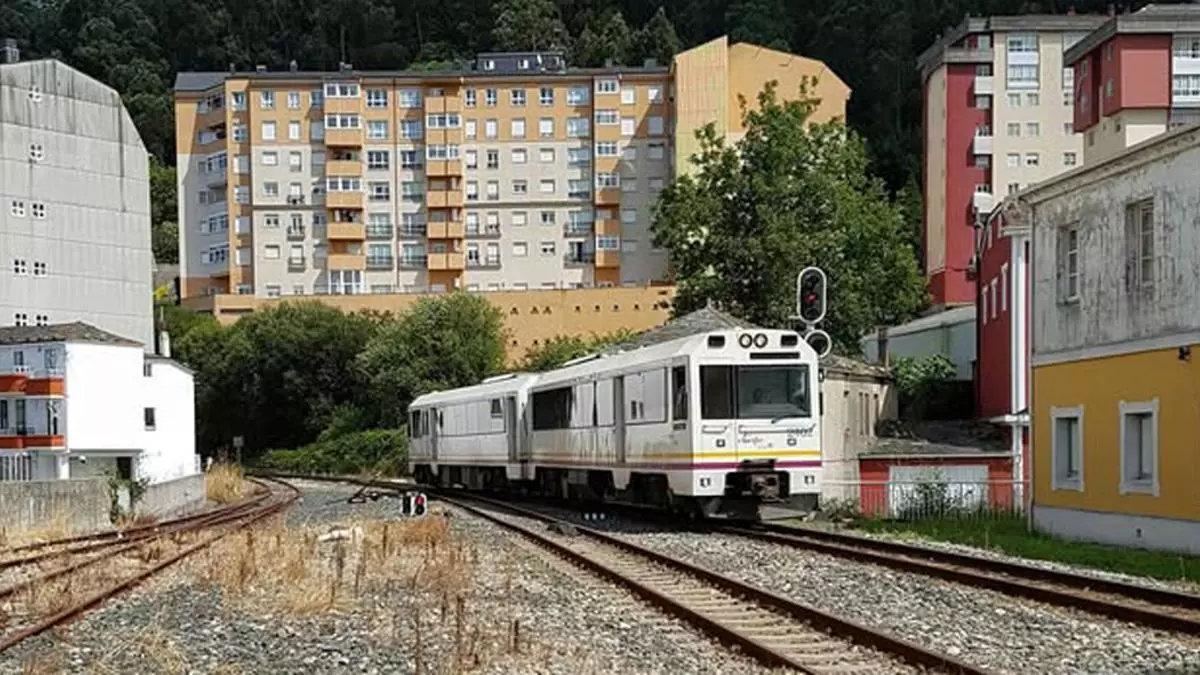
x,y
74,202
1114,319
78,402
998,112
1136,76
518,173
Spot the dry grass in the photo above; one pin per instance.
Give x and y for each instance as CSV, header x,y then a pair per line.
x,y
58,526
225,483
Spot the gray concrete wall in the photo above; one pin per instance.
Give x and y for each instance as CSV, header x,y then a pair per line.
x,y
83,504
172,497
852,406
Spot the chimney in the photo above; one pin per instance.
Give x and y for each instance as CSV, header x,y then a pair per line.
x,y
293,66
260,68
164,344
11,53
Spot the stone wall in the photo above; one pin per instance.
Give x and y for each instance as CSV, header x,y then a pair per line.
x,y
82,505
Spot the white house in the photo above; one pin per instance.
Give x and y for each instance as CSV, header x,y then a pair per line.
x,y
77,401
950,333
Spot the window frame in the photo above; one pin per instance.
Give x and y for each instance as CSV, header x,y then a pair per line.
x,y
1057,480
1135,485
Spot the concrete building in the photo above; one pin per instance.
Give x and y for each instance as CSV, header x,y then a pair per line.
x,y
1136,76
997,117
855,397
516,173
74,202
78,402
1115,316
950,333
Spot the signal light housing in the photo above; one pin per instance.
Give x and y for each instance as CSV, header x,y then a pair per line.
x,y
810,295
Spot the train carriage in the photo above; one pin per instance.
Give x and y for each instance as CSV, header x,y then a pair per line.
x,y
718,422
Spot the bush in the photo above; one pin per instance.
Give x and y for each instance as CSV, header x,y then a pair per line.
x,y
928,389
383,451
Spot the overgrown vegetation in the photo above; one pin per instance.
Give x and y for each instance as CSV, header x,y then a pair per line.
x,y
377,451
225,483
1009,534
927,387
558,350
284,376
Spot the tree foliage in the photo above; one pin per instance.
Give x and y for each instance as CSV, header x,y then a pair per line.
x,y
558,350
789,194
526,25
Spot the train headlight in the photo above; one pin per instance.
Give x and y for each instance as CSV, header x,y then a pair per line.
x,y
745,340
760,340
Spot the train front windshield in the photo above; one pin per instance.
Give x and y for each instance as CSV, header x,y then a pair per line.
x,y
754,392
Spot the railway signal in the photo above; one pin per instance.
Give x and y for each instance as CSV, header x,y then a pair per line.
x,y
810,295
414,504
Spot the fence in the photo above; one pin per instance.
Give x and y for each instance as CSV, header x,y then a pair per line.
x,y
934,498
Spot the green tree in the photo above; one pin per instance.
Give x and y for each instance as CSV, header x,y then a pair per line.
x,y
656,40
609,41
762,22
789,194
443,342
524,25
558,350
163,212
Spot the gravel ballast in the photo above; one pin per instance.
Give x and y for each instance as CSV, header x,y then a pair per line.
x,y
561,619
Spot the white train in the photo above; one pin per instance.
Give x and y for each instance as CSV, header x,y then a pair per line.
x,y
715,423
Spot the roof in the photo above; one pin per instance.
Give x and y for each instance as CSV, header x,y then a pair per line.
x,y
933,438
1149,19
943,319
205,80
61,332
489,388
704,320
848,366
936,54
167,361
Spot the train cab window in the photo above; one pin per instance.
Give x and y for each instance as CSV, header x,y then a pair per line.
x,y
679,393
497,411
770,392
414,424
716,392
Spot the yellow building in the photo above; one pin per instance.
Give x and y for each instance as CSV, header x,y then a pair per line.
x,y
1116,312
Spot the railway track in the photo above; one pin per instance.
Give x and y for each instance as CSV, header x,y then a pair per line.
x,y
1144,605
95,568
776,630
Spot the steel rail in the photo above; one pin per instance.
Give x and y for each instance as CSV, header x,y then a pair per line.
x,y
904,650
66,615
1153,607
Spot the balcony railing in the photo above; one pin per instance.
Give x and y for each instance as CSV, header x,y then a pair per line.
x,y
412,261
295,232
578,229
380,262
483,263
489,232
296,262
580,257
412,231
379,231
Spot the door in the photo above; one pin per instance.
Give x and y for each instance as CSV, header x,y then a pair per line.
x,y
619,417
512,429
434,426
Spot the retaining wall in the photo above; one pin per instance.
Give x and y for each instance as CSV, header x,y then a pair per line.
x,y
173,496
83,504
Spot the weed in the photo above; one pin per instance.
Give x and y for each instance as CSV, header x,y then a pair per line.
x,y
225,483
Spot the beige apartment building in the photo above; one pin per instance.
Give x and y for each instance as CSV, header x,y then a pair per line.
x,y
518,173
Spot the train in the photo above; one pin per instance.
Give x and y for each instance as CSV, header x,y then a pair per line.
x,y
715,424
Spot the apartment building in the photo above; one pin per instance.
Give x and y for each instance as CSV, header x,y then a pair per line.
x,y
1136,76
74,202
515,173
998,116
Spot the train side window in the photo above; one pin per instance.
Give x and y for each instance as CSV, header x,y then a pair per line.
x,y
414,424
552,409
716,392
679,393
604,403
497,411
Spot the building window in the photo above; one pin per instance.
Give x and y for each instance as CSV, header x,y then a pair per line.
x,y
1185,87
517,127
293,100
148,418
1068,265
1022,76
546,127
469,98
519,156
1139,447
520,249
519,187
1069,159
1014,100
1022,42
1186,47
410,129
577,127
1139,227
1067,450
656,125
491,128
377,159
377,129
493,159
1068,128
1013,159
1033,129
489,97
268,131
37,152
546,155
1032,99
266,100
606,149
238,100
517,97
577,95
547,248
983,101
377,98
341,90
546,96
270,158
628,126
606,86
1014,129
1032,159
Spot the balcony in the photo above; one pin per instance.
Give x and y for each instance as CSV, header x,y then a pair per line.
x,y
345,231
412,262
412,231
380,262
295,263
444,199
345,261
50,385
336,104
298,200
982,145
13,383
380,230
340,199
608,196
295,232
343,167
488,232
608,258
982,202
984,85
25,439
446,229
446,261
443,167
483,263
608,226
579,258
343,138
578,229
439,104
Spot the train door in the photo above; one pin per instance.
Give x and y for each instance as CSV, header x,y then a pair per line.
x,y
619,417
433,428
512,429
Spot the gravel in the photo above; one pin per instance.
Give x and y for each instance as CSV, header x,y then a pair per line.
x,y
983,627
567,620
